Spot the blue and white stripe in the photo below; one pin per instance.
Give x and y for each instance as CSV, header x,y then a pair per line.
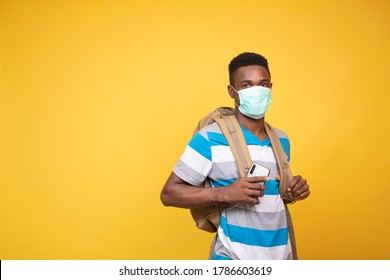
x,y
246,231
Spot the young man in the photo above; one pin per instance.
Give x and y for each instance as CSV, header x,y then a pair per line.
x,y
255,227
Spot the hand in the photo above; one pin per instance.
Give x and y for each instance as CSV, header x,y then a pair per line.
x,y
245,189
298,188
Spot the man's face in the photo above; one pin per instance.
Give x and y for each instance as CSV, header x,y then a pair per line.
x,y
249,76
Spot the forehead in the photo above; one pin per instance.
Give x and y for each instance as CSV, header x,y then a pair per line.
x,y
251,73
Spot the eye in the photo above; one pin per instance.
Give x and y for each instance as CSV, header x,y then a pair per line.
x,y
266,84
246,86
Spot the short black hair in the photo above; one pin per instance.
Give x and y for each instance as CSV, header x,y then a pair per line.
x,y
246,59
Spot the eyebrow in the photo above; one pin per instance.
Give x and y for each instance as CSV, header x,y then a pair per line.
x,y
249,81
246,81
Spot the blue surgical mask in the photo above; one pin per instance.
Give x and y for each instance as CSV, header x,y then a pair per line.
x,y
254,101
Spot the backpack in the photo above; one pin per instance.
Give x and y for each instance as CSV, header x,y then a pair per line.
x,y
208,218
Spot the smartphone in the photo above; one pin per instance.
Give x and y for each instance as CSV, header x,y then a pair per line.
x,y
258,170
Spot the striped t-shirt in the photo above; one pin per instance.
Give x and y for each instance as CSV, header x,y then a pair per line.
x,y
246,231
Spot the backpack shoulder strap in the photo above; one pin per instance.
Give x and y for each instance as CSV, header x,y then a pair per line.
x,y
206,120
227,122
285,179
232,131
208,218
291,233
284,167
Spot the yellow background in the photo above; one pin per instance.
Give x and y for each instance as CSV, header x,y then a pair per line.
x,y
99,98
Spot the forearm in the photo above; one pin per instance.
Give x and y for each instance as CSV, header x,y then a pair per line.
x,y
187,196
178,193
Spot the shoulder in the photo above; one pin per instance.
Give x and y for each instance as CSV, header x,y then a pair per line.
x,y
205,137
284,141
281,134
209,129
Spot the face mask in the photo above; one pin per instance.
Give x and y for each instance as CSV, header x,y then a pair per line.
x,y
254,101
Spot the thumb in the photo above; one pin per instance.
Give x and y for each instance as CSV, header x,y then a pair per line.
x,y
277,178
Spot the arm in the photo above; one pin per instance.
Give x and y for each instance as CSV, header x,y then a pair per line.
x,y
177,192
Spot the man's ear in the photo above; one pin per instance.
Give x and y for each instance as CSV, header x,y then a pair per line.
x,y
231,91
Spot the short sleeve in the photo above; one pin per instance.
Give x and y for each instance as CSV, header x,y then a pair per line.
x,y
286,147
195,163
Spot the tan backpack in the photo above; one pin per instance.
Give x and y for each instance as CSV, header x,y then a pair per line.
x,y
208,218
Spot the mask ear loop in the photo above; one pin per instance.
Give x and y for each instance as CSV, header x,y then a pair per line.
x,y
238,96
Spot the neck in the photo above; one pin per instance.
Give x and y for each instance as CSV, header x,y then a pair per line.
x,y
257,127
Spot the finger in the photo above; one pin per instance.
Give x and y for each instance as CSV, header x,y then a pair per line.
x,y
297,183
303,195
253,201
300,187
256,179
256,186
278,178
293,182
257,193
